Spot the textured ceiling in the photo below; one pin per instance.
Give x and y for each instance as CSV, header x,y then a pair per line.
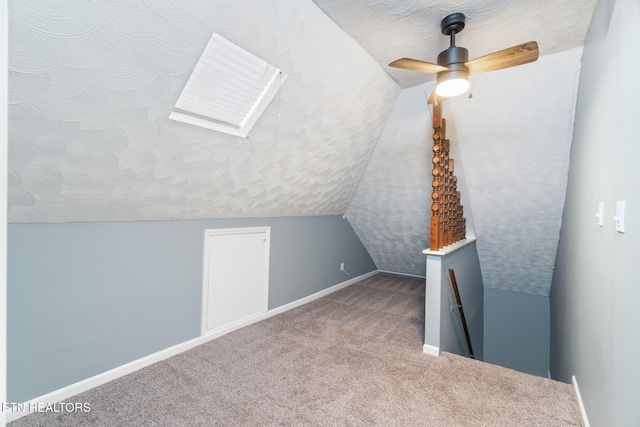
x,y
514,135
92,83
392,29
513,158
516,161
391,209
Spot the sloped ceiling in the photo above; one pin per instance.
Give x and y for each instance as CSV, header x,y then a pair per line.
x,y
513,159
391,209
516,165
514,135
392,29
92,84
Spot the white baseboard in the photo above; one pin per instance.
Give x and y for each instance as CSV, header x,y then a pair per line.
x,y
71,390
430,349
320,294
401,274
583,412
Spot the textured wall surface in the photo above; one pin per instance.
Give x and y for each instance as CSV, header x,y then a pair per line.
x,y
516,165
392,205
92,84
392,29
513,157
390,210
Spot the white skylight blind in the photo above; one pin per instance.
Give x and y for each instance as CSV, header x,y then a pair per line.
x,y
228,90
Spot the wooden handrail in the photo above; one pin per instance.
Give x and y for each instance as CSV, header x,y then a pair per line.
x,y
456,292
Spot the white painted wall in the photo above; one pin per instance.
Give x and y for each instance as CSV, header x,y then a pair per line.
x,y
595,292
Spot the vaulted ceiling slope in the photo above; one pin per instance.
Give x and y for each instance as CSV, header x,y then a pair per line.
x,y
512,158
516,163
392,29
92,83
391,209
514,138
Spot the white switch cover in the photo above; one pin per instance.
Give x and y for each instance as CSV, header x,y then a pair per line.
x,y
600,214
619,218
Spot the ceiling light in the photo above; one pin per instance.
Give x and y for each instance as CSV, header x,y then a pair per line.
x,y
452,83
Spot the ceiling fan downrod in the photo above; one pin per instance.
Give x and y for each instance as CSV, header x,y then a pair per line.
x,y
450,26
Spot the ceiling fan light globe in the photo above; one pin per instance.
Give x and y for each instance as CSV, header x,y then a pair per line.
x,y
452,87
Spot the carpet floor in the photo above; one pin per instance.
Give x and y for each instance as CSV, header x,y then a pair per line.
x,y
352,358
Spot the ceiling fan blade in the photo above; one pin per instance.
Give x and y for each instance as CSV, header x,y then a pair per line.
x,y
416,65
516,55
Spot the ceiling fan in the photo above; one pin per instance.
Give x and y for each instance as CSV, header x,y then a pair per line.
x,y
454,68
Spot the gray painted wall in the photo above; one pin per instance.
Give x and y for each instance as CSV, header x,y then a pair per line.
x,y
87,297
595,292
517,330
442,326
466,266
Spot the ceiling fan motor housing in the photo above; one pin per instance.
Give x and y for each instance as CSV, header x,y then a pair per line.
x,y
454,59
453,55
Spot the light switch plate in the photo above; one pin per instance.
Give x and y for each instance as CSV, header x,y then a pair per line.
x,y
600,214
619,218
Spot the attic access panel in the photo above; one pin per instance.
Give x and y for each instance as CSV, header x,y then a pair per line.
x,y
228,90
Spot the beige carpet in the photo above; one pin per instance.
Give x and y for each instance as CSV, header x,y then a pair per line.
x,y
353,358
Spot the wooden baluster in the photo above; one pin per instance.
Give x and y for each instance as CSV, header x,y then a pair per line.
x,y
448,224
434,234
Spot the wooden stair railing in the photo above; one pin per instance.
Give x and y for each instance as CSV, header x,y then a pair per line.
x,y
447,222
463,320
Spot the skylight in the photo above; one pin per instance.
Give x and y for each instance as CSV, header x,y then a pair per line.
x,y
228,89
